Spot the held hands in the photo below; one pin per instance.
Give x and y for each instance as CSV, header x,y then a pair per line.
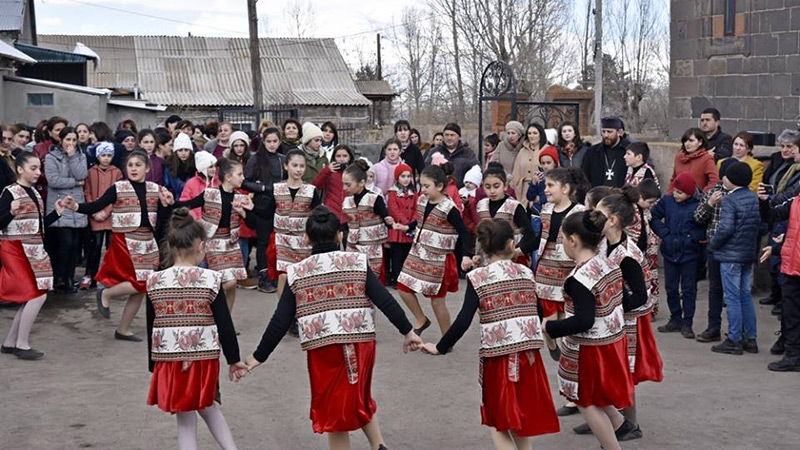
x,y
412,342
247,203
69,203
466,263
399,226
237,371
715,198
59,207
100,216
476,260
429,349
166,197
251,363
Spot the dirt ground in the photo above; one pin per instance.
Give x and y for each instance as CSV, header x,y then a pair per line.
x,y
90,391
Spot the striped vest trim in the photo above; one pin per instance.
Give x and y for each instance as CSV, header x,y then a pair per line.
x,y
546,214
437,234
509,320
505,212
212,213
184,327
635,178
365,227
332,306
126,215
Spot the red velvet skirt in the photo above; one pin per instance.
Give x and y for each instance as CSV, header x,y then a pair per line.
x,y
649,366
550,308
604,376
17,281
337,405
117,266
449,279
524,406
272,259
176,390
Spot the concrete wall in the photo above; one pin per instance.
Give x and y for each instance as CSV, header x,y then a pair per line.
x,y
143,118
72,105
752,77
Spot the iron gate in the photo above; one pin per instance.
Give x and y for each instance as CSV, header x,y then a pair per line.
x,y
497,83
248,119
549,114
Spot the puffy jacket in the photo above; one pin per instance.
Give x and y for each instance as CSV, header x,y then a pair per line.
x,y
790,252
700,164
736,238
384,174
462,158
64,173
330,184
680,235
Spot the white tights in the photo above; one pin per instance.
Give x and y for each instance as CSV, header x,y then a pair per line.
x,y
23,322
187,428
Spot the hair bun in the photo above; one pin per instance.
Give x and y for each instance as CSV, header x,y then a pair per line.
x,y
181,218
594,221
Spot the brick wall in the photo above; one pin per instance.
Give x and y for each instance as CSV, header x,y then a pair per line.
x,y
752,76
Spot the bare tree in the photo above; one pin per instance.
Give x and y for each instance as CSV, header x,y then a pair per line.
x,y
299,16
414,55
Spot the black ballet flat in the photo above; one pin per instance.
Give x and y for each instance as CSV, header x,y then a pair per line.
x,y
28,354
418,331
126,337
555,353
104,311
7,350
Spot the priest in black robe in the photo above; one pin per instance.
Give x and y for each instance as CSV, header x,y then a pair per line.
x,y
604,163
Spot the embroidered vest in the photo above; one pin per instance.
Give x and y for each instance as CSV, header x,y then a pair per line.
x,y
509,319
26,227
546,214
365,227
126,214
436,235
635,178
291,214
505,212
184,327
212,213
332,306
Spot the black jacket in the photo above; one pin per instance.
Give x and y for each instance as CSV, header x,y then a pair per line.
x,y
600,158
722,145
778,167
736,238
463,158
262,171
7,175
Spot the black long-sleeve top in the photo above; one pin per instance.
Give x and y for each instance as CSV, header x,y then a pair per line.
x,y
775,214
227,209
528,243
271,204
454,218
223,320
635,293
642,241
584,303
462,322
110,196
378,208
5,210
285,312
555,222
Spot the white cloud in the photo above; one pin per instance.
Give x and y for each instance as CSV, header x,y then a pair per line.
x,y
50,21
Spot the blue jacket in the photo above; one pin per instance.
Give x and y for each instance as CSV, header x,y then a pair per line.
x,y
736,239
680,235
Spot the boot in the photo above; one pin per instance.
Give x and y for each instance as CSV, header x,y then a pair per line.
x,y
778,348
786,364
264,285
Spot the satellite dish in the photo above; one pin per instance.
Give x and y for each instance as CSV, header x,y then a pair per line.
x,y
84,50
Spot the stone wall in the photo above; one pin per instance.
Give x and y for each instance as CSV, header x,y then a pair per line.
x,y
752,76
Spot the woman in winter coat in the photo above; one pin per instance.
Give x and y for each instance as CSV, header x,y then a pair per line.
x,y
329,182
694,158
65,168
507,150
179,166
527,163
206,177
571,147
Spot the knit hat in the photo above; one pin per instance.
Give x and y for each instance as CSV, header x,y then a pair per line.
x,y
203,161
474,175
453,127
121,135
240,136
310,131
104,148
402,167
552,136
549,151
724,165
516,126
685,183
739,174
183,141
612,122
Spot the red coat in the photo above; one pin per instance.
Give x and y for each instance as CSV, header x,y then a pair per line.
x,y
452,191
330,183
470,214
245,232
403,210
700,164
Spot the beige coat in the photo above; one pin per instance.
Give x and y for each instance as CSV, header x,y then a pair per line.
x,y
505,154
525,167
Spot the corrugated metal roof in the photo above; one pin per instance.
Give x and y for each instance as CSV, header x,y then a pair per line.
x,y
375,87
12,13
10,52
204,71
48,55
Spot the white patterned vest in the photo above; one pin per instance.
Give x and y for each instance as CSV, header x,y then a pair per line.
x,y
26,227
184,327
365,227
436,234
126,215
290,219
212,213
332,306
509,319
505,212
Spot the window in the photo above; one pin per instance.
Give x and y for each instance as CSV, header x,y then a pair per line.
x,y
730,17
40,99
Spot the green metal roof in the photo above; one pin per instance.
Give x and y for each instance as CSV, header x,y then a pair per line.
x,y
46,55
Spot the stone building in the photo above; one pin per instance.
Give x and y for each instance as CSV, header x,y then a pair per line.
x,y
740,56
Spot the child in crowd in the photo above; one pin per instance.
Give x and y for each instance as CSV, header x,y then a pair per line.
x,y
490,144
402,201
673,221
341,356
593,370
735,246
26,274
329,182
548,159
179,167
370,185
473,180
101,177
636,156
206,177
451,190
384,170
180,298
646,239
430,268
554,266
516,401
367,217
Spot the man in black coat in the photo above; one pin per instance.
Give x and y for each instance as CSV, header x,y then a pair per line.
x,y
720,144
604,163
458,153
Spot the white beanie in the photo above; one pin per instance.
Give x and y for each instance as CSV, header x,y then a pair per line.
x,y
552,136
310,131
182,141
203,160
239,136
474,175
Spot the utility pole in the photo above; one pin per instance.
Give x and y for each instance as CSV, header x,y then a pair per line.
x,y
255,57
598,63
379,68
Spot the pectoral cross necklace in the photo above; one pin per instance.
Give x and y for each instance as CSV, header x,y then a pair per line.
x,y
610,171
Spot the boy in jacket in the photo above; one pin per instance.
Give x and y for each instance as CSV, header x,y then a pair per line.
x,y
673,221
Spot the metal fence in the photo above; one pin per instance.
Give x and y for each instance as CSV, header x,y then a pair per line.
x,y
550,114
248,119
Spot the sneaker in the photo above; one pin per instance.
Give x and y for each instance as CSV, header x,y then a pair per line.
x,y
710,335
778,348
247,283
85,283
785,365
687,332
768,301
750,346
728,347
670,327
